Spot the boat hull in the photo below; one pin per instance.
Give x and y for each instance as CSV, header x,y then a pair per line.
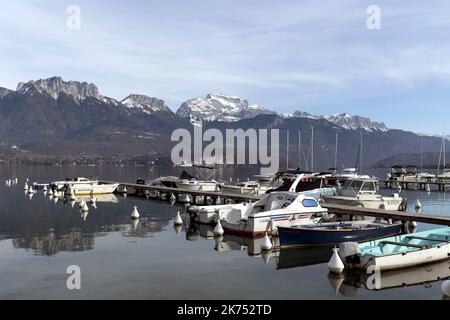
x,y
81,190
409,259
299,237
392,204
257,227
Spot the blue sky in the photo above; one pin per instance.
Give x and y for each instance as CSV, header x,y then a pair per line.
x,y
316,56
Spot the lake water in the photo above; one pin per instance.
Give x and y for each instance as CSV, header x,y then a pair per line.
x,y
41,237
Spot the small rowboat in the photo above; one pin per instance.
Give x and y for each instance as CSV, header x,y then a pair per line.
x,y
398,252
329,234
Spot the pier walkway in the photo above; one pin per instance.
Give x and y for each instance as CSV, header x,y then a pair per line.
x,y
334,209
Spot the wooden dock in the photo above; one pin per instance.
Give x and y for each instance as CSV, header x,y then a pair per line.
x,y
334,209
140,188
394,215
418,185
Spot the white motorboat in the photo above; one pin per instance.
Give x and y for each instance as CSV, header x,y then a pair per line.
x,y
93,188
273,210
363,193
398,252
302,184
188,182
347,174
247,188
403,174
198,185
78,181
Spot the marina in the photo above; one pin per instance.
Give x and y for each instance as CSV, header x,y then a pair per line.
x,y
163,235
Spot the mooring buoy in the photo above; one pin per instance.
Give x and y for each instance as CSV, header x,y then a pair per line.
x,y
135,214
335,265
218,230
418,204
178,220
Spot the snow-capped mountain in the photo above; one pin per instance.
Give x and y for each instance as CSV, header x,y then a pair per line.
x,y
219,107
56,85
145,104
344,120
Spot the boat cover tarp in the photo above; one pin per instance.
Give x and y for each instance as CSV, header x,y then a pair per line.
x,y
347,249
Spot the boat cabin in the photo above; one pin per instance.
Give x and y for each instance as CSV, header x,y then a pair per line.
x,y
284,200
355,187
403,171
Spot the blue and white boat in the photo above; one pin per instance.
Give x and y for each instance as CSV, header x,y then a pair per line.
x,y
399,251
329,234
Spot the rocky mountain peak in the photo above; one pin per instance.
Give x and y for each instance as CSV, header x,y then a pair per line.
x,y
4,92
146,104
344,120
220,107
56,85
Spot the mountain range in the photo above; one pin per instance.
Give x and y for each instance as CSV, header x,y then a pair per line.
x,y
53,118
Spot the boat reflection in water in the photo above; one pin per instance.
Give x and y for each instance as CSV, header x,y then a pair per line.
x,y
352,282
301,257
48,232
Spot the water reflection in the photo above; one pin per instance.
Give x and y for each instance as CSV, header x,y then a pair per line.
x,y
352,282
50,225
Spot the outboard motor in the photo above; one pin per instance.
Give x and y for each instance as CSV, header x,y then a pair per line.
x,y
192,209
349,252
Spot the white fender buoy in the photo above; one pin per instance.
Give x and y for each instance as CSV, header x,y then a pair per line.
x,y
82,203
93,200
428,188
218,230
125,190
50,192
446,288
266,244
72,195
85,207
31,190
173,197
418,204
135,214
72,203
178,221
25,187
16,181
45,189
335,264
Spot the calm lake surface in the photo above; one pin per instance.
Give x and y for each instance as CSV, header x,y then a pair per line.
x,y
40,237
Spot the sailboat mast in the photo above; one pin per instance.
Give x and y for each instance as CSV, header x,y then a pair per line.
x,y
299,149
421,155
335,152
443,141
360,154
287,149
312,149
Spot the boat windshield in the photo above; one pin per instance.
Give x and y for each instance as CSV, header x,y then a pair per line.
x,y
355,187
